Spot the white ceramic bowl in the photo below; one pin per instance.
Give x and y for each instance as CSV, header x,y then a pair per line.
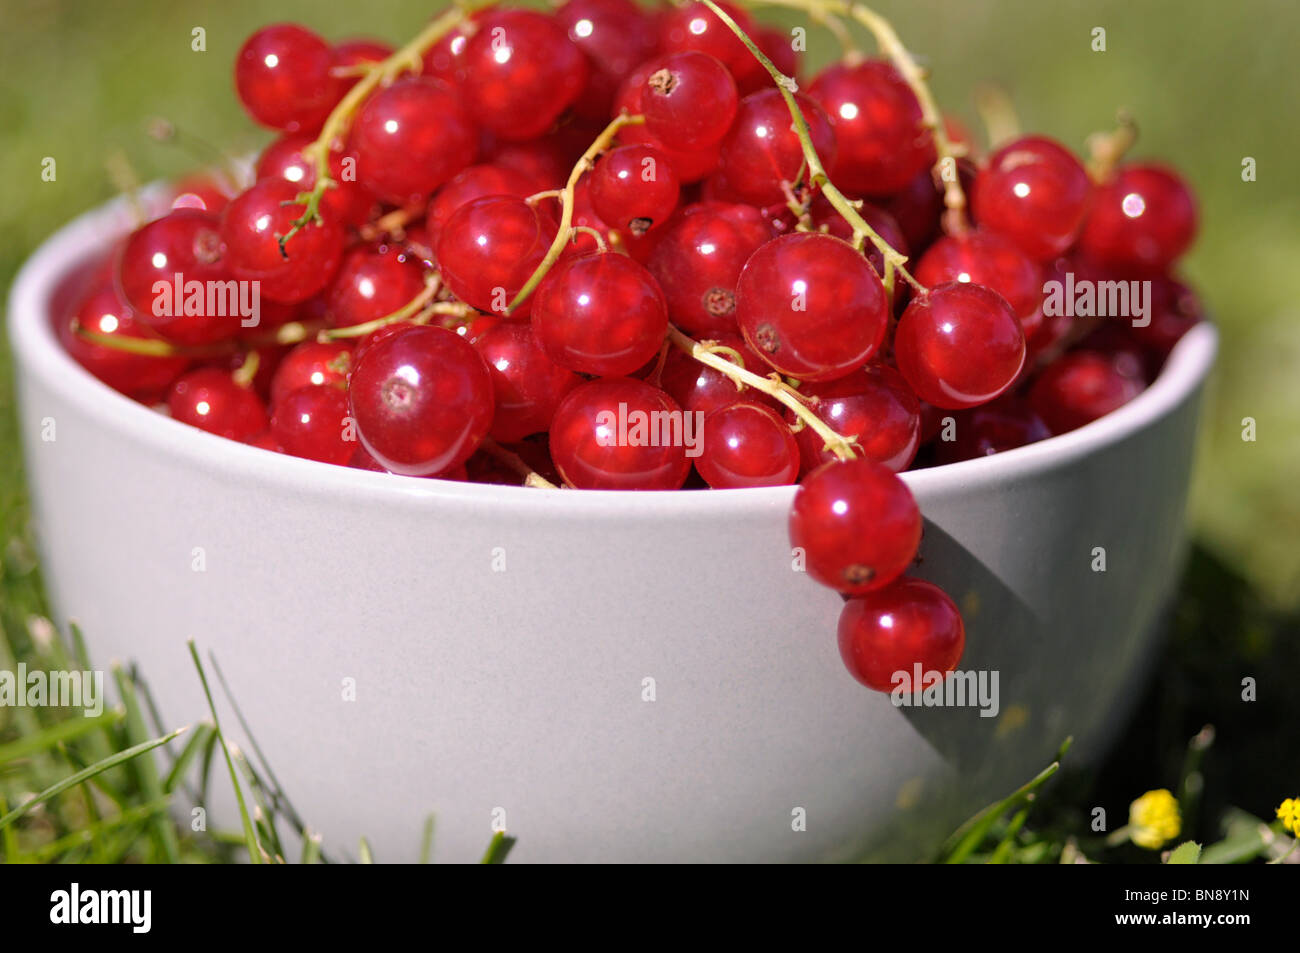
x,y
522,691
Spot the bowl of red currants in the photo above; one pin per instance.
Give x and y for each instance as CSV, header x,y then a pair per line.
x,y
601,426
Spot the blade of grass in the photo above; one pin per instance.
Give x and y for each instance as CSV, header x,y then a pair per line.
x,y
86,774
90,834
58,732
202,735
255,853
146,770
366,856
498,848
1003,851
310,848
426,841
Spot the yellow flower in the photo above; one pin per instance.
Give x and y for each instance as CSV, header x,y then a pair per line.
x,y
1288,812
1153,819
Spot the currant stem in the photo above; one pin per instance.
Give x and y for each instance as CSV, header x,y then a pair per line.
x,y
1106,149
577,230
147,347
408,310
842,447
385,71
599,145
246,371
817,176
1001,124
515,463
954,197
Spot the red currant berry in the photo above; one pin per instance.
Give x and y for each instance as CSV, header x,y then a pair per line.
x,y
882,142
312,364
857,524
761,153
698,387
882,223
1080,387
313,422
689,100
209,398
354,53
372,283
521,72
634,188
411,138
1142,220
252,226
885,636
600,314
168,273
1175,308
691,165
422,400
917,207
747,444
696,27
528,384
540,161
616,35
811,306
959,345
472,183
202,192
445,60
346,201
617,433
1003,424
1035,192
282,74
139,376
988,259
778,45
875,406
698,261
490,247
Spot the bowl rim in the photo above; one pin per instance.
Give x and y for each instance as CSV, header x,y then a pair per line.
x,y
39,353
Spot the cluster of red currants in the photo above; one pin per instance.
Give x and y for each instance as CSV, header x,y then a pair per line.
x,y
480,256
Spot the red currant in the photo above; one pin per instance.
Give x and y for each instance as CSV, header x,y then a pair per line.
x,y
882,142
616,35
824,216
1080,387
1003,424
988,259
761,155
490,247
857,525
698,387
698,261
617,433
252,226
353,53
521,72
884,636
472,183
689,100
747,444
282,74
312,364
209,398
959,345
691,165
1175,308
411,138
634,188
1035,192
1141,221
695,27
422,400
346,201
875,406
600,314
372,283
811,306
313,422
528,384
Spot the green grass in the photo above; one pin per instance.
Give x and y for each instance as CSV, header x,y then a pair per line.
x,y
1208,86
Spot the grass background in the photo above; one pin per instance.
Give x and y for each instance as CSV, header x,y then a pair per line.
x,y
1208,83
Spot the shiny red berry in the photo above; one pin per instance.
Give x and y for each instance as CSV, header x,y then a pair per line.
x,y
857,525
959,345
875,406
252,226
616,35
354,53
747,444
617,433
371,283
521,72
634,188
1080,387
1035,192
988,259
881,141
313,422
422,401
346,200
282,75
762,151
528,384
1003,424
472,183
600,314
886,635
311,364
691,165
811,306
1175,309
209,398
411,138
694,26
698,260
490,247
689,100
698,387
1142,220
